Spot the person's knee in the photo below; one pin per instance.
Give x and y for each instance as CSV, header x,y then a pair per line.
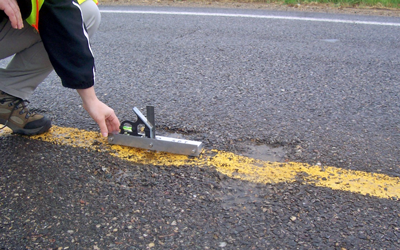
x,y
91,16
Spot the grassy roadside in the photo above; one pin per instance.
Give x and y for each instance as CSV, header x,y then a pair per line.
x,y
348,3
324,6
390,5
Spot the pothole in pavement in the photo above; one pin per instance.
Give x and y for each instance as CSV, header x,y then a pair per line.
x,y
263,152
250,149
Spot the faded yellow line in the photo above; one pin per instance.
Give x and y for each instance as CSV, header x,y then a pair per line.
x,y
235,166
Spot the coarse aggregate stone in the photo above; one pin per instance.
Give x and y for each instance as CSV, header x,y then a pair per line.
x,y
58,197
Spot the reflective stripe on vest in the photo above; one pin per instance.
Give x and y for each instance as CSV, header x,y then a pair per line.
x,y
33,18
81,1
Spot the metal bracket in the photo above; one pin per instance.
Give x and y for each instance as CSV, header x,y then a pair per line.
x,y
141,134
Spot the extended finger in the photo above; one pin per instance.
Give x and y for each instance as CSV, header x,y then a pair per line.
x,y
112,123
13,12
103,128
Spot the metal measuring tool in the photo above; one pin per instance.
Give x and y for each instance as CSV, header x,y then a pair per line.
x,y
141,134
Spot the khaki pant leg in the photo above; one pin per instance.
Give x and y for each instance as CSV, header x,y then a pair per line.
x,y
91,16
30,64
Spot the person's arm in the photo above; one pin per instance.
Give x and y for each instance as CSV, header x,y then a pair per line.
x,y
100,112
66,41
67,44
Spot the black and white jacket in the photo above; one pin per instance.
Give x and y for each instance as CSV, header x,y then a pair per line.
x,y
66,41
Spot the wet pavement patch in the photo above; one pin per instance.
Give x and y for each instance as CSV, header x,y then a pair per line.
x,y
262,151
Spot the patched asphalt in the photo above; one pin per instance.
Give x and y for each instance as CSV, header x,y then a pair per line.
x,y
324,93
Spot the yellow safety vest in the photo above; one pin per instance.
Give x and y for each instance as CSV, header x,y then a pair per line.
x,y
81,1
33,18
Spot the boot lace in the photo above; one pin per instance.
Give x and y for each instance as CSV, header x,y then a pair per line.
x,y
17,104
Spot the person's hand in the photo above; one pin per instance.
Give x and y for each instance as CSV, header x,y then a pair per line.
x,y
100,112
11,9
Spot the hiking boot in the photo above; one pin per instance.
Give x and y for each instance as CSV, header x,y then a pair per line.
x,y
15,115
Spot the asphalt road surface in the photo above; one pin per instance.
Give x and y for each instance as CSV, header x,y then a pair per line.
x,y
320,89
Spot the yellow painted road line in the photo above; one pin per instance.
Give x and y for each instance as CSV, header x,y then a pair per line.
x,y
235,166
